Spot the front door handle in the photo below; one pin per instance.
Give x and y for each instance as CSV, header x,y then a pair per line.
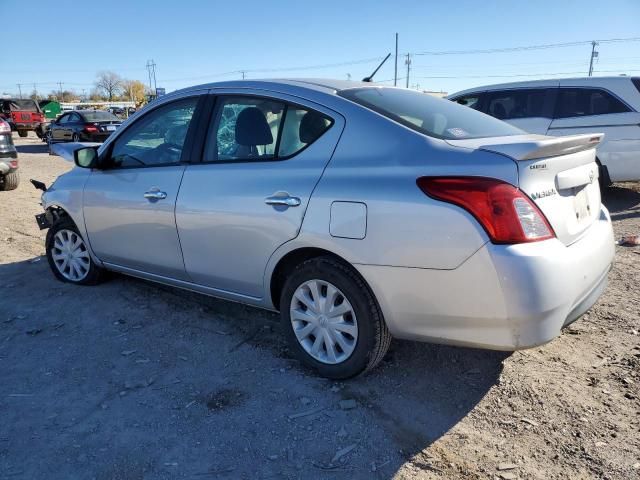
x,y
286,201
155,195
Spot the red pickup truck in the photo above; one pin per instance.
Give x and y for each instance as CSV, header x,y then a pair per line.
x,y
23,115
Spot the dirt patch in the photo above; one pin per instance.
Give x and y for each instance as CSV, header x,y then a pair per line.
x,y
224,399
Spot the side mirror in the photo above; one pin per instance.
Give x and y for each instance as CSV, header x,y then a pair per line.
x,y
86,157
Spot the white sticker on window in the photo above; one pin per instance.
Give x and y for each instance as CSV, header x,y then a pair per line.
x,y
457,132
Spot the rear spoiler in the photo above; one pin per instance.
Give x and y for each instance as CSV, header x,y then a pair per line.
x,y
544,147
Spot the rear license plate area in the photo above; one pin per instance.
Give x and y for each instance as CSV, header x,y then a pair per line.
x,y
581,206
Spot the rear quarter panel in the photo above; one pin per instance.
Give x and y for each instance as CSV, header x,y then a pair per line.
x,y
377,163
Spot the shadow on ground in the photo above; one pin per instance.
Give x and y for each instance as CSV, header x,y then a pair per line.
x,y
220,392
621,201
33,148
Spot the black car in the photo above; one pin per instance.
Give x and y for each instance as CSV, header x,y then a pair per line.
x,y
83,126
9,176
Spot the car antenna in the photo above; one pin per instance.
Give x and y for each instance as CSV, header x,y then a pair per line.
x,y
369,79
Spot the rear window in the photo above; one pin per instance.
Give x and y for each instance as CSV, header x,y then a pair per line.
x,y
429,115
99,116
24,105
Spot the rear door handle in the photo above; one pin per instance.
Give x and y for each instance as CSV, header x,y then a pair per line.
x,y
155,195
283,201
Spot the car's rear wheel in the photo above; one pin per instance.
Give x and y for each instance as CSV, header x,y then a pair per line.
x,y
10,181
332,321
23,133
69,256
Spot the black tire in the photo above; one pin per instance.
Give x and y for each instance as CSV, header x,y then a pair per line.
x,y
23,133
95,273
10,181
373,336
75,137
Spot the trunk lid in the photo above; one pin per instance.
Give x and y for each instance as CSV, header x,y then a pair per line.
x,y
559,174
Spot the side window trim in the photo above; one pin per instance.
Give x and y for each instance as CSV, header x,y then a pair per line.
x,y
187,148
214,120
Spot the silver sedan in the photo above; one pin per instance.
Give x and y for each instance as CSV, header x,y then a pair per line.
x,y
360,212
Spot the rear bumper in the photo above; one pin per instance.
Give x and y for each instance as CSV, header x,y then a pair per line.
x,y
505,297
26,126
95,137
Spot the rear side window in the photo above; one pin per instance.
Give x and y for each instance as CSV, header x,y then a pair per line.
x,y
578,102
521,103
261,129
429,115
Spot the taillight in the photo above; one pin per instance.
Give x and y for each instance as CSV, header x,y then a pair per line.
x,y
4,127
90,128
506,214
13,163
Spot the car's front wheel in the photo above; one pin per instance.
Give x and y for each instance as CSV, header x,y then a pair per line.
x,y
69,256
75,137
332,320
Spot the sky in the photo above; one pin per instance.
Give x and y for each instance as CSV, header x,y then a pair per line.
x,y
196,41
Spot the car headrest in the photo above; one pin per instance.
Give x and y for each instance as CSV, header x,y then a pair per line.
x,y
175,135
312,126
499,111
252,128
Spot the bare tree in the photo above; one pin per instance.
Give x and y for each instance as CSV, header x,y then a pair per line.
x,y
110,83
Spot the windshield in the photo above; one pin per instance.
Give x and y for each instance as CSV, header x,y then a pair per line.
x,y
99,116
429,115
24,105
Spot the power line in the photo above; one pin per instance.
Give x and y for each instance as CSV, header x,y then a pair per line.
x,y
279,69
528,47
542,75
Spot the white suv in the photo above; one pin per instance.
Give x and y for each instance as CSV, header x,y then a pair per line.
x,y
609,105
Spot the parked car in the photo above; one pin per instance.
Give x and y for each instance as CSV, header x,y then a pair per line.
x,y
360,212
83,126
116,110
23,114
610,105
9,175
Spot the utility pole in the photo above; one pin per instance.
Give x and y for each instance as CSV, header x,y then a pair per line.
x,y
594,54
61,92
408,63
148,65
243,73
395,75
151,69
19,89
35,90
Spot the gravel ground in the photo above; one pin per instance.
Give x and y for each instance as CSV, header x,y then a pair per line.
x,y
132,380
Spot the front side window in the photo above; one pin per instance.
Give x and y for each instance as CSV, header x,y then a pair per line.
x,y
471,101
155,139
429,115
512,104
578,102
64,119
261,129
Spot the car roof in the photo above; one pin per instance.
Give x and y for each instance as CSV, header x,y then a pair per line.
x,y
324,85
578,81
